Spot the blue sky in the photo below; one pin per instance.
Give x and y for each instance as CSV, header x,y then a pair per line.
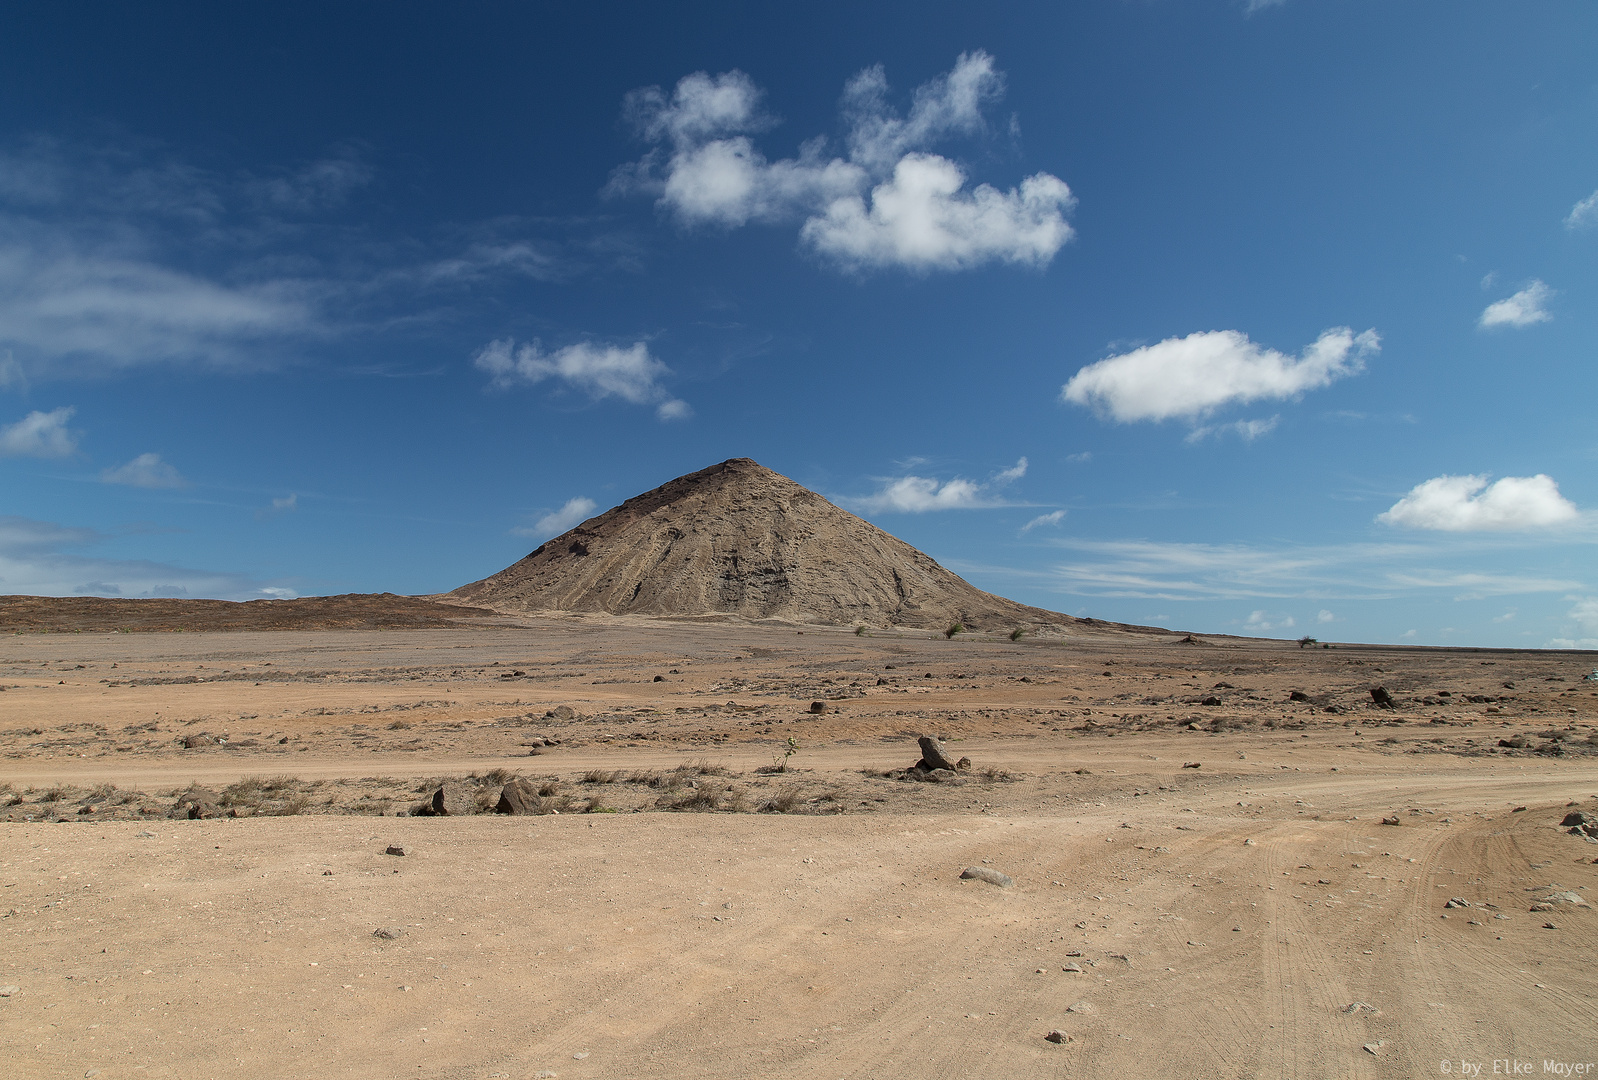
x,y
1240,317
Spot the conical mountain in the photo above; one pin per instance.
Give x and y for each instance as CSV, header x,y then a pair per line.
x,y
737,538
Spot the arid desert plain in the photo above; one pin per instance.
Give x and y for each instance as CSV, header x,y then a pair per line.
x,y
1199,890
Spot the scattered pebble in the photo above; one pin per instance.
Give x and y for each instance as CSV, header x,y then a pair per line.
x,y
1057,1036
394,849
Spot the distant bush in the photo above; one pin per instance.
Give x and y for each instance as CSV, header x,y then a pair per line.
x,y
954,628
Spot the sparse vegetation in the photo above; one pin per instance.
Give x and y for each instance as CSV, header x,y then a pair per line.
x,y
860,631
780,762
1306,641
1017,634
782,802
400,725
601,776
954,628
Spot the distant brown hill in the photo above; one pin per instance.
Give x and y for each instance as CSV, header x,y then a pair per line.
x,y
737,538
353,611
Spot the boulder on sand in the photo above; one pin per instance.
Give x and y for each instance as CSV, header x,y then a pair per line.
x,y
519,797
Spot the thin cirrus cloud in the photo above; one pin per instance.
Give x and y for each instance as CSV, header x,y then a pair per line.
x,y
888,203
1247,430
1528,307
40,434
1154,570
1053,517
1471,504
1191,377
41,558
112,258
920,494
600,371
574,512
1584,214
145,471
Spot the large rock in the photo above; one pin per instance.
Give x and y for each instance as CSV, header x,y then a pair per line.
x,y
452,798
932,755
519,797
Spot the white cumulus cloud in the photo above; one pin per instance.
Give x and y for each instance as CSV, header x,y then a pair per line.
x,y
888,203
1261,620
600,371
918,494
1190,377
1585,612
1526,308
146,471
1584,213
923,219
575,512
40,434
1324,616
1471,504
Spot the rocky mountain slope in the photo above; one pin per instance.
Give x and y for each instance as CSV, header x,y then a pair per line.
x,y
737,538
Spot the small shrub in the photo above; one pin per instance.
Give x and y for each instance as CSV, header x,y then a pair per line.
x,y
600,776
782,802
996,775
293,805
548,789
1017,634
954,628
400,725
499,776
53,794
780,762
594,806
860,631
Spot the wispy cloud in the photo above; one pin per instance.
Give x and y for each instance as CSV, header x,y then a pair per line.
x,y
1054,517
1247,430
1471,504
888,202
1526,308
919,494
40,558
1191,377
146,471
573,513
40,434
600,371
1154,570
1584,213
285,504
113,257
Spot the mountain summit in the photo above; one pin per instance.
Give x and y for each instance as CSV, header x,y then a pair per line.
x,y
737,538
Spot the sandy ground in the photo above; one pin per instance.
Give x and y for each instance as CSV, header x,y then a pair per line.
x,y
1224,918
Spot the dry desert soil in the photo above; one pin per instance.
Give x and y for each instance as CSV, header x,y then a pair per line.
x,y
1199,890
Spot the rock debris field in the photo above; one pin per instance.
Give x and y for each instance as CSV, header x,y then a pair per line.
x,y
599,846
